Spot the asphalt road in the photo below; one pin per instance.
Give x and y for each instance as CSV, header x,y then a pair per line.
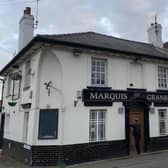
x,y
152,160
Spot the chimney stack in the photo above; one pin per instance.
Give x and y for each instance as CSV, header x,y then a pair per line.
x,y
26,28
155,34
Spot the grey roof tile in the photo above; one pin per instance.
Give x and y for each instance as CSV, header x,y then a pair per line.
x,y
93,39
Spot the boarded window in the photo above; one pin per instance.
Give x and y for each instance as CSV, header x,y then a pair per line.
x,y
48,124
136,75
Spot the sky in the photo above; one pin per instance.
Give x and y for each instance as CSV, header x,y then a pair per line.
x,y
128,19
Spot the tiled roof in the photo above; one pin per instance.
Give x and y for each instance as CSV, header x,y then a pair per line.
x,y
92,39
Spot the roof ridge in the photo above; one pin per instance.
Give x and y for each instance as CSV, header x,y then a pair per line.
x,y
65,34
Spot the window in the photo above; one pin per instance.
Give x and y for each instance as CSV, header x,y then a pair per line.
x,y
97,125
14,83
163,122
98,72
162,77
27,74
16,88
48,124
25,126
10,86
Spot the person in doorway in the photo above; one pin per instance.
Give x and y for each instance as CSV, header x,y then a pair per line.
x,y
137,135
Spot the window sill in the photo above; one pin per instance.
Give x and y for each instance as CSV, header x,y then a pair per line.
x,y
8,96
98,87
15,99
47,138
26,88
162,90
163,135
96,141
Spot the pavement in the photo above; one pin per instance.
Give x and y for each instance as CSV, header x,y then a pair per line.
x,y
157,159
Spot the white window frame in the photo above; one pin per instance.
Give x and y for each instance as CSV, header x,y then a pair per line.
x,y
105,73
165,120
160,78
97,122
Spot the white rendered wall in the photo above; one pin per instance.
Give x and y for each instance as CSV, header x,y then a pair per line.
x,y
68,74
16,113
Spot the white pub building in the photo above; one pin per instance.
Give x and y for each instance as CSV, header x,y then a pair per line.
x,y
72,97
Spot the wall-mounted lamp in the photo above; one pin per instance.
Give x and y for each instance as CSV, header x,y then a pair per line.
x,y
48,106
75,103
16,75
120,110
152,110
135,60
63,109
131,84
76,52
78,97
78,94
15,66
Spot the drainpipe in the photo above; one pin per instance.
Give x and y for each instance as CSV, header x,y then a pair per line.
x,y
2,118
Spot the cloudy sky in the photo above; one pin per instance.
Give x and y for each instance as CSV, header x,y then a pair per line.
x,y
127,19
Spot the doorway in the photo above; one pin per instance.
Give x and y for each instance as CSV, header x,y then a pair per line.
x,y
136,113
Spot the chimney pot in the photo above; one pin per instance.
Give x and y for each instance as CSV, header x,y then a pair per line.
x,y
27,11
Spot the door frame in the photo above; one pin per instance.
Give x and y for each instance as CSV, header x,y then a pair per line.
x,y
145,105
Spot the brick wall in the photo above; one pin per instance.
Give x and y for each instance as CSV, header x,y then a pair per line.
x,y
67,154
